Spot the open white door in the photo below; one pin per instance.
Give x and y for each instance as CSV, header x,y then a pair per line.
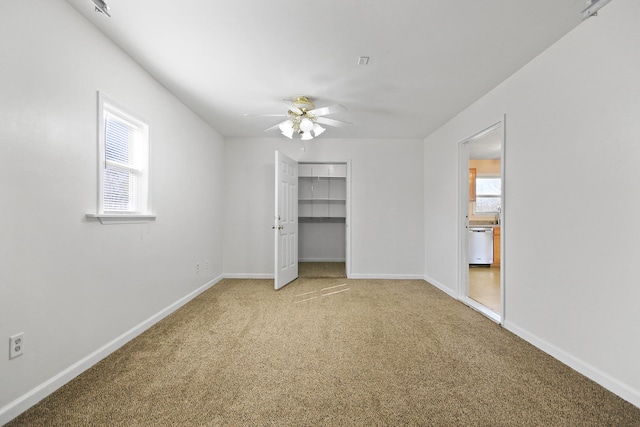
x,y
286,221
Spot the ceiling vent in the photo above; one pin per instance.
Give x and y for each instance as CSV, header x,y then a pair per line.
x,y
593,6
101,7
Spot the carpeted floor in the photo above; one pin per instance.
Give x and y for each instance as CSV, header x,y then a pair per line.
x,y
321,269
331,352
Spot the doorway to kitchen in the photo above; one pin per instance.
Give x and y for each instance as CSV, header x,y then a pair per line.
x,y
481,222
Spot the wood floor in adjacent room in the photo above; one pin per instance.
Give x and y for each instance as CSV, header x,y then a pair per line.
x,y
484,286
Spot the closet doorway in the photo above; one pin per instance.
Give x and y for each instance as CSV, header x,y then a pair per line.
x,y
323,213
311,220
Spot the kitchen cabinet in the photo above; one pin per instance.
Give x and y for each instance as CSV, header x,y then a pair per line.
x,y
472,184
496,247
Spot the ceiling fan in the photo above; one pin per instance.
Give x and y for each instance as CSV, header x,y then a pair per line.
x,y
305,119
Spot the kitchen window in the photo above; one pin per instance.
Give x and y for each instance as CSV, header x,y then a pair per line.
x,y
488,195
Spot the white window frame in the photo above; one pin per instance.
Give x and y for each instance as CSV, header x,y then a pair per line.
x,y
493,196
107,108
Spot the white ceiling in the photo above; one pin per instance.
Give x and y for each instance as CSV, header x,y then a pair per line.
x,y
488,146
429,59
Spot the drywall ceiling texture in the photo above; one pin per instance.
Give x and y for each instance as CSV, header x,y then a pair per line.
x,y
570,228
69,283
387,212
428,59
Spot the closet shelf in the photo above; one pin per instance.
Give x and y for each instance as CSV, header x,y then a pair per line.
x,y
319,199
343,178
322,219
323,196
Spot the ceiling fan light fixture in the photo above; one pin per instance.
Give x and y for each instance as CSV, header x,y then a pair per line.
x,y
317,129
303,103
286,126
303,119
288,133
306,124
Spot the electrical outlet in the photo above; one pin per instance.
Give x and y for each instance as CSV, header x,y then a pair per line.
x,y
197,267
16,345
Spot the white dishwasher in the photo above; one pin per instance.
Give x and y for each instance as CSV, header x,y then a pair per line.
x,y
480,245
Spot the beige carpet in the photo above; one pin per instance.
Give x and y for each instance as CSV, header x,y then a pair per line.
x,y
330,352
321,269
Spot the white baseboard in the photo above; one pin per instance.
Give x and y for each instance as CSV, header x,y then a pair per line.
x,y
352,276
321,260
387,276
440,286
27,400
612,384
249,276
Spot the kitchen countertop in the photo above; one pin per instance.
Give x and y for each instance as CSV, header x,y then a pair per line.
x,y
477,223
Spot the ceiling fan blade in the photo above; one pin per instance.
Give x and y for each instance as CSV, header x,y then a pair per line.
x,y
292,107
266,115
332,122
331,109
276,126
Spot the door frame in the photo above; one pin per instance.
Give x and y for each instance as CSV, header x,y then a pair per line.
x,y
463,222
347,220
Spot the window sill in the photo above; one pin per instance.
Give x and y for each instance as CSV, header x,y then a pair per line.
x,y
122,218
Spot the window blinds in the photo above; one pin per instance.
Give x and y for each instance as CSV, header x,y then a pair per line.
x,y
123,183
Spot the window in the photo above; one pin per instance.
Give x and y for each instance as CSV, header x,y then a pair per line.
x,y
488,192
123,162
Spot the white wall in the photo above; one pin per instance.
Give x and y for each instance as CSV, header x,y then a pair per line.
x,y
387,209
571,190
71,284
320,241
